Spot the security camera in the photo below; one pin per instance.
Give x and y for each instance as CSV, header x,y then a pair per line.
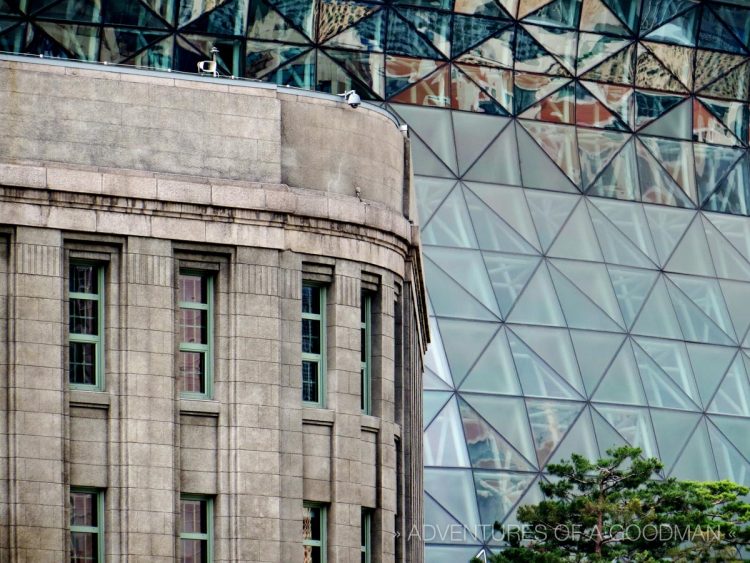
x,y
352,98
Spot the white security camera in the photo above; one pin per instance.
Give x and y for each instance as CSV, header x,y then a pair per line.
x,y
352,98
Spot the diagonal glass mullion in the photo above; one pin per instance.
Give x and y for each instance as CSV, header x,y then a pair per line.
x,y
419,34
489,145
610,161
722,379
725,437
577,163
266,73
484,91
413,132
449,513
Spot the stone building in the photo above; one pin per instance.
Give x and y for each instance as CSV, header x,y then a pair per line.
x,y
213,321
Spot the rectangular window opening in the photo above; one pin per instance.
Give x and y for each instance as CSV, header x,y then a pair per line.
x,y
196,325
313,344
366,352
314,529
86,325
366,535
196,531
86,525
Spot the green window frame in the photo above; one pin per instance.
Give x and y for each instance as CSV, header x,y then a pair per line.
x,y
313,345
86,325
366,535
196,334
196,528
366,352
86,525
315,532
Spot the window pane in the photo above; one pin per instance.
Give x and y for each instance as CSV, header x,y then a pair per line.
x,y
191,369
194,326
83,278
363,344
310,336
311,523
84,316
82,363
83,547
310,381
83,509
312,554
311,299
193,516
194,551
193,289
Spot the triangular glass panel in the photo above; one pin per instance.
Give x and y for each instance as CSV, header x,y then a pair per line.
x,y
633,424
734,85
673,428
538,303
528,6
580,440
467,268
533,495
444,442
618,69
86,11
553,345
508,416
617,99
631,221
459,500
301,15
537,378
650,105
621,383
487,449
710,66
470,31
430,194
510,204
696,462
735,229
561,43
531,56
494,371
474,132
672,358
590,112
499,162
678,31
450,225
657,12
298,72
430,26
668,225
549,211
734,17
594,49
495,88
228,19
437,518
619,179
528,89
713,164
596,149
707,295
464,342
403,39
425,161
616,247
695,324
579,310
577,240
62,41
450,299
732,195
497,494
657,186
632,287
735,429
436,553
157,55
707,128
606,436
560,144
365,68
597,17
594,352
714,35
677,59
434,401
710,363
657,318
661,391
487,8
550,421
735,294
558,107
267,23
334,16
676,123
435,359
692,255
119,44
729,461
677,159
538,170
592,279
435,128
559,13
651,73
733,394
434,383
496,51
132,13
402,72
367,34
509,274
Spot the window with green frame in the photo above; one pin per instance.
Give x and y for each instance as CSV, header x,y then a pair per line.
x,y
314,531
195,361
313,344
86,525
197,529
366,352
366,534
86,325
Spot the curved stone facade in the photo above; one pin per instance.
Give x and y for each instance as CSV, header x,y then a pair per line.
x,y
257,192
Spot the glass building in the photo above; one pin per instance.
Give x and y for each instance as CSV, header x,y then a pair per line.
x,y
583,176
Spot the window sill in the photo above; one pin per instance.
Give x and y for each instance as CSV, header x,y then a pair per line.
x,y
371,423
200,407
318,416
90,399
